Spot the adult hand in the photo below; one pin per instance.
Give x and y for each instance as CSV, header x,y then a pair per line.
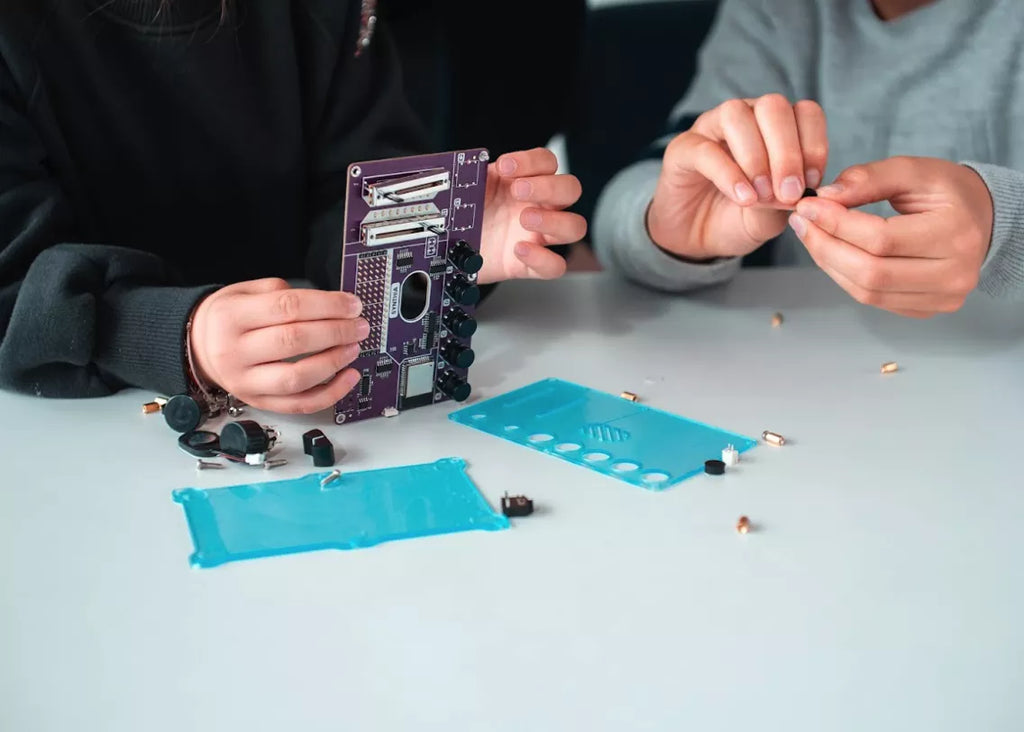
x,y
725,181
242,335
523,215
924,261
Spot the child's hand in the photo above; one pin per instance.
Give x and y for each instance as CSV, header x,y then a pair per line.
x,y
242,334
922,262
523,216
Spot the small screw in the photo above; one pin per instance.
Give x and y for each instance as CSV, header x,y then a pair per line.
x,y
271,464
235,411
206,465
330,477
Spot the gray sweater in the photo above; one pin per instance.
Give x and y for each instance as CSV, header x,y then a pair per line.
x,y
944,81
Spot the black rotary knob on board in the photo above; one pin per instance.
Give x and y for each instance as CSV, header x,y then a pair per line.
x,y
455,386
460,323
458,355
462,291
463,256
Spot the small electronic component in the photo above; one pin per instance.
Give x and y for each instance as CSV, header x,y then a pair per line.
x,y
773,438
890,367
150,408
411,253
743,525
183,413
810,193
777,320
730,455
516,506
629,396
714,467
247,440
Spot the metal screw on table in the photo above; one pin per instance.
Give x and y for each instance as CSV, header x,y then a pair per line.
x,y
206,465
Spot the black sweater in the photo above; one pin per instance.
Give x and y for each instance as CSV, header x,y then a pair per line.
x,y
147,157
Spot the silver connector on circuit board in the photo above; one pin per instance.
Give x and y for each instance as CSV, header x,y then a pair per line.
x,y
384,233
408,189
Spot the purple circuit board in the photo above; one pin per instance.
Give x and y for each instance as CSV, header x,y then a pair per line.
x,y
411,253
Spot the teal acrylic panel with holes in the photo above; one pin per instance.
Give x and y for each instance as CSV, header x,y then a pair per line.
x,y
631,442
357,510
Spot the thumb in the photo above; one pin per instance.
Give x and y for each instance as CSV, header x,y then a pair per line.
x,y
882,180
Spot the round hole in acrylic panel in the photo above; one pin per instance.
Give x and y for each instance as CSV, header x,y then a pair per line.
x,y
625,466
479,415
596,457
564,447
541,437
655,477
511,427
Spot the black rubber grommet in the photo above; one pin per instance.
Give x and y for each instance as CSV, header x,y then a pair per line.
x,y
714,467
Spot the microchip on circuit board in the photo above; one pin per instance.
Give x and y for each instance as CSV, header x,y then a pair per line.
x,y
411,253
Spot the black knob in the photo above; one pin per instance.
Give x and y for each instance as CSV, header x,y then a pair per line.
x,y
458,355
182,413
465,258
245,437
454,386
463,291
459,323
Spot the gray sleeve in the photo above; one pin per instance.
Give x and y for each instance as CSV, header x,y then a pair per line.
x,y
1002,274
739,59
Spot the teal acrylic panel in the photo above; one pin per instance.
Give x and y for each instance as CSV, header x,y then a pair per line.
x,y
356,510
631,442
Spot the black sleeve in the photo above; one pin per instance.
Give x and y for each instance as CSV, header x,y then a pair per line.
x,y
365,110
76,320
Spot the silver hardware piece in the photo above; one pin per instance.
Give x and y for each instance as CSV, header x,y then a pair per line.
x,y
206,465
330,477
271,464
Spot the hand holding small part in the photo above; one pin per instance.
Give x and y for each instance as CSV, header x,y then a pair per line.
x,y
524,214
726,182
278,348
924,261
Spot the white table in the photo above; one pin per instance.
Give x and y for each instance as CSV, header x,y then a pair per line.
x,y
884,589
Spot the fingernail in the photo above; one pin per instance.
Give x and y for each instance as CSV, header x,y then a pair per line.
x,y
362,329
532,220
744,193
813,176
763,184
799,224
507,166
831,190
808,210
357,306
522,249
521,189
792,188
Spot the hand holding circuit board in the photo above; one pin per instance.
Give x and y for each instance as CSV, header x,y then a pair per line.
x,y
421,234
291,350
